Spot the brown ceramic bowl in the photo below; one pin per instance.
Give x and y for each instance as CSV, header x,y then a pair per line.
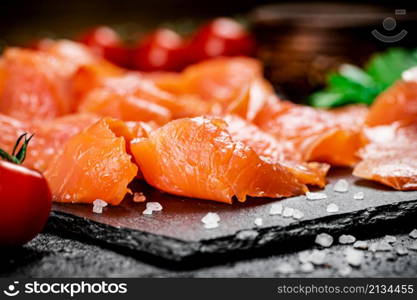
x,y
301,43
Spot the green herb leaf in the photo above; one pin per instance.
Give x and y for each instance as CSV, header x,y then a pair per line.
x,y
352,84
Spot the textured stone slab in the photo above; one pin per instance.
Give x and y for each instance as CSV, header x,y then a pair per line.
x,y
176,233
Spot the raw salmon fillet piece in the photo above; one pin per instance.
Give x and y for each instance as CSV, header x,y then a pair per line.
x,y
234,85
134,90
198,158
93,165
391,157
33,85
398,103
329,136
270,150
49,136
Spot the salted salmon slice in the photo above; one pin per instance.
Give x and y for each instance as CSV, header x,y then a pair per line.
x,y
271,150
398,103
390,157
93,165
33,85
135,88
197,158
329,136
107,102
49,136
235,85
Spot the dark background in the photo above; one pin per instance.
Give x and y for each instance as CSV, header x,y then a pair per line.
x,y
22,20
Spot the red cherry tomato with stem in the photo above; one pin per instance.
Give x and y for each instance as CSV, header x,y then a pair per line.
x,y
25,198
162,50
220,37
106,42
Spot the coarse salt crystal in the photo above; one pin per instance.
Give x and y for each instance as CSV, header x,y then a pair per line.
x,y
97,209
98,206
332,208
298,214
304,256
363,245
345,270
276,209
317,257
288,212
307,267
353,257
210,218
324,240
147,211
258,221
139,197
315,196
341,186
401,251
383,247
390,239
413,234
154,206
359,196
99,202
413,246
346,239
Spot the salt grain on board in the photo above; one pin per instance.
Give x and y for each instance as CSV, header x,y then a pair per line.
x,y
390,239
344,270
258,221
353,257
332,208
98,206
346,239
276,209
288,212
307,267
147,211
315,196
211,220
383,247
317,257
324,240
298,214
154,206
341,186
362,245
359,196
401,251
413,246
413,234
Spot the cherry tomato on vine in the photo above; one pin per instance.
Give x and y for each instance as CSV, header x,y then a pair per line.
x,y
162,50
25,198
220,37
106,42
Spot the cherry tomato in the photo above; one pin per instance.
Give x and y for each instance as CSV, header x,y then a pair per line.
x,y
106,42
162,50
220,37
25,200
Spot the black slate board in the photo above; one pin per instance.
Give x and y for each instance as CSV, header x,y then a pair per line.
x,y
177,234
